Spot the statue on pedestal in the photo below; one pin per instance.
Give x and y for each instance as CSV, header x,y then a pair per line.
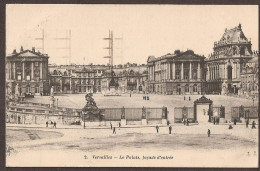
x,y
90,111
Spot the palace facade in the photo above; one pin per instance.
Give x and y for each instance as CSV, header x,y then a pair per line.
x,y
177,73
28,70
96,78
230,69
223,67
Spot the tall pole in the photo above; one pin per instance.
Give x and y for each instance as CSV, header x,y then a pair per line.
x,y
42,40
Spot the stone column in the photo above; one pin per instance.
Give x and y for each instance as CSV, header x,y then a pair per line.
x,y
182,71
208,73
224,71
173,71
168,71
238,73
153,73
198,71
14,71
32,72
235,70
40,70
190,72
23,72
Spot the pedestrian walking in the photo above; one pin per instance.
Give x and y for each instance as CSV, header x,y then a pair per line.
x,y
253,125
184,97
187,122
119,124
230,127
184,121
235,121
208,132
247,123
54,124
147,98
47,123
214,121
130,94
114,130
144,97
111,125
157,128
189,98
170,129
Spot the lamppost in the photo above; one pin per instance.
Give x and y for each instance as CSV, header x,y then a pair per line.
x,y
84,120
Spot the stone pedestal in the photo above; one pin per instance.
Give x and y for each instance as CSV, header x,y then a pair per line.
x,y
144,122
164,121
123,122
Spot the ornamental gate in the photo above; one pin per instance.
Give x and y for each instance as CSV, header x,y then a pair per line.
x,y
203,110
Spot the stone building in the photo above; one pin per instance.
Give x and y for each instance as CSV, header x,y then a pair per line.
x,y
76,78
177,73
29,70
249,78
130,78
223,67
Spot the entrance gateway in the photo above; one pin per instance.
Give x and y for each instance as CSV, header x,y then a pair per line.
x,y
203,110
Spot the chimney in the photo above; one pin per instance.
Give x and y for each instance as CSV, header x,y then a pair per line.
x,y
239,26
33,49
177,52
21,50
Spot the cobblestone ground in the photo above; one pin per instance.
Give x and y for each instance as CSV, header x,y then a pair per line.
x,y
136,100
188,145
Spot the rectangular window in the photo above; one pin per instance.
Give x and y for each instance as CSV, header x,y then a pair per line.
x,y
19,77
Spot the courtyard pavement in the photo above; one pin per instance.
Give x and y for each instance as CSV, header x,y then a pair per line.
x,y
136,101
67,147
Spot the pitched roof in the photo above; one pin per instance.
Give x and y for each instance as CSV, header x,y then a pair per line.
x,y
27,53
234,35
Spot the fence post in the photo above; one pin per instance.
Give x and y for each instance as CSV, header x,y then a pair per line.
x,y
144,120
123,120
164,119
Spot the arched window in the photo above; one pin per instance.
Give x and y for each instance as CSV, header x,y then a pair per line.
x,y
229,71
54,72
187,89
242,51
194,74
195,88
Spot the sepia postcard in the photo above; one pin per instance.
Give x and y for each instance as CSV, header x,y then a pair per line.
x,y
131,85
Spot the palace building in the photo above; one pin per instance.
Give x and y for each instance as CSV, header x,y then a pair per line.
x,y
29,70
224,65
177,73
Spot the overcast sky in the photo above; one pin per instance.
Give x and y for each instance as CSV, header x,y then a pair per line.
x,y
146,29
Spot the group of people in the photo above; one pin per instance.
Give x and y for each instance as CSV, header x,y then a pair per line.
x,y
114,128
186,122
253,124
216,121
185,98
145,97
54,124
157,129
247,123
